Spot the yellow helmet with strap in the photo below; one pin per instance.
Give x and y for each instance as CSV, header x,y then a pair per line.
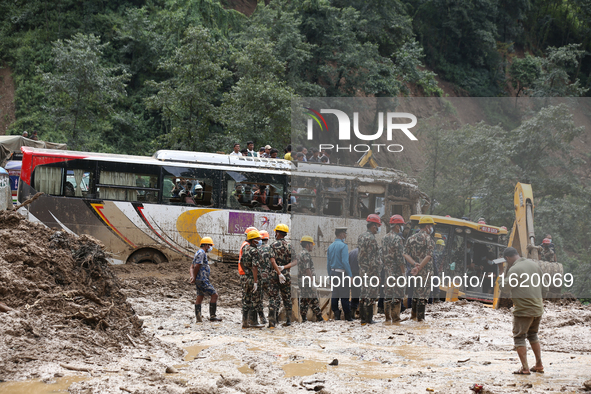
x,y
206,241
307,238
282,227
426,220
252,235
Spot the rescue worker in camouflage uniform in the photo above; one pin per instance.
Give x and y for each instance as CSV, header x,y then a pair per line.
x,y
370,265
308,293
546,252
265,273
419,254
251,261
283,257
395,266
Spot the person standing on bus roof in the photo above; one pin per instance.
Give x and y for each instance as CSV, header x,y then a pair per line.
x,y
308,293
250,149
200,276
251,261
395,266
419,254
273,153
236,151
370,265
337,264
283,257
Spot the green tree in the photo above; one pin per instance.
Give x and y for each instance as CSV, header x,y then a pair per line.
x,y
188,98
557,67
258,106
523,73
82,89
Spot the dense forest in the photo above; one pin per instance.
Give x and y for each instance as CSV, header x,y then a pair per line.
x,y
130,76
134,76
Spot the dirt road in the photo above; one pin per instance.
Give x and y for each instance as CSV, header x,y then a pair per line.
x,y
458,345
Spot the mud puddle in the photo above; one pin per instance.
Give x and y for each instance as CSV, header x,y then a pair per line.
x,y
58,385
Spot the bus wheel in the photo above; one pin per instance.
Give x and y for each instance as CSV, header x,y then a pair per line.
x,y
147,256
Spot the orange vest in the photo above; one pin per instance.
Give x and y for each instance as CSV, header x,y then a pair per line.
x,y
240,270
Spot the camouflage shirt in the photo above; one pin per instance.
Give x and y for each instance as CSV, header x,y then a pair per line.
x,y
370,255
392,251
250,258
282,251
266,268
305,263
419,246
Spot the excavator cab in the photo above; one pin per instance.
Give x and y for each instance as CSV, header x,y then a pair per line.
x,y
467,261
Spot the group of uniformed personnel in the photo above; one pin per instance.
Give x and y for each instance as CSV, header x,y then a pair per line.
x,y
265,271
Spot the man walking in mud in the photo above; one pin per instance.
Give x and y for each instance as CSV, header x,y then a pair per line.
x,y
266,272
370,266
283,257
251,261
308,293
200,276
419,254
528,307
395,266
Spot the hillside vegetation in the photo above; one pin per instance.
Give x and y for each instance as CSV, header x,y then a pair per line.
x,y
134,76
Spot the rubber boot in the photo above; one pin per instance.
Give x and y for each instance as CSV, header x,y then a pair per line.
x,y
262,317
396,306
253,320
272,318
319,318
245,319
304,317
348,316
198,313
212,309
287,317
369,315
363,314
388,311
413,313
421,306
337,314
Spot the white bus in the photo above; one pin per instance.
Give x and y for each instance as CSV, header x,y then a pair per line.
x,y
158,208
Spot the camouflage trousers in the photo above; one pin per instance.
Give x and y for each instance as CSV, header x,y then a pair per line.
x,y
250,300
278,291
391,289
312,303
425,290
368,301
272,294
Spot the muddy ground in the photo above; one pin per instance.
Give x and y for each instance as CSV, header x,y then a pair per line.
x,y
458,345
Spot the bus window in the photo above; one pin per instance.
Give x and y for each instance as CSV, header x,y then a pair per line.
x,y
252,191
48,180
78,183
458,254
188,190
125,186
371,199
333,206
303,200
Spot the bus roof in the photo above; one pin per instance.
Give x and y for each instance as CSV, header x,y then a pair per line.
x,y
484,228
171,157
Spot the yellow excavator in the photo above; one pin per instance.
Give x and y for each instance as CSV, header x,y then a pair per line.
x,y
523,239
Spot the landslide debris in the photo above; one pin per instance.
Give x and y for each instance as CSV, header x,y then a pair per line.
x,y
66,302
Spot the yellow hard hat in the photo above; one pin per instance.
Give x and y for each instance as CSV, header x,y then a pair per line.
x,y
249,229
282,227
426,220
264,234
440,242
437,235
253,234
307,238
206,240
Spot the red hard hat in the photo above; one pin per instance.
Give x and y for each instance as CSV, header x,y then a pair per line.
x,y
447,216
396,219
546,241
374,218
504,228
481,222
